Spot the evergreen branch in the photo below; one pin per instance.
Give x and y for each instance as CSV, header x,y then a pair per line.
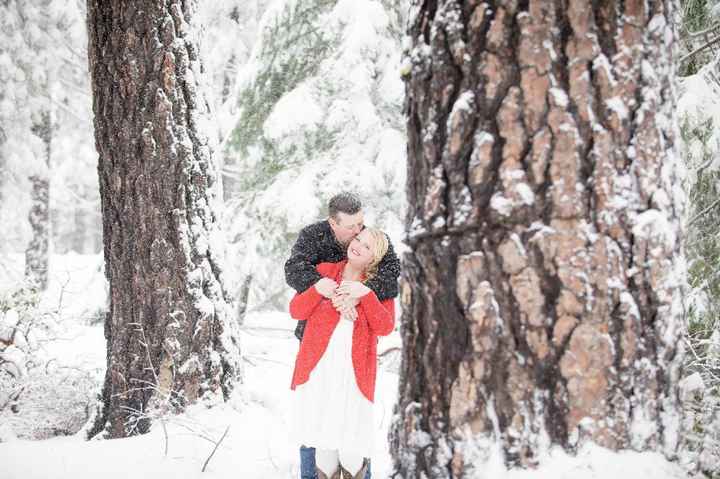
x,y
699,49
703,212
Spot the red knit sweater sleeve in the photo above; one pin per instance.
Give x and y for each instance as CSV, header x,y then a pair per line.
x,y
303,304
380,315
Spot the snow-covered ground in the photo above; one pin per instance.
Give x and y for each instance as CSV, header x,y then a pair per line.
x,y
257,445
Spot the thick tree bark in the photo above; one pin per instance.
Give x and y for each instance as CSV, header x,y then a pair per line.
x,y
38,250
542,292
170,337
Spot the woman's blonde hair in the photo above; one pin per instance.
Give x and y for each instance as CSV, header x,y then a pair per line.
x,y
378,247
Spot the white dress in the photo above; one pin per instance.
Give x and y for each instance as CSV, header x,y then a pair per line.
x,y
330,412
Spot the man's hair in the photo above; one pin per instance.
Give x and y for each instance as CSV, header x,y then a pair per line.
x,y
344,202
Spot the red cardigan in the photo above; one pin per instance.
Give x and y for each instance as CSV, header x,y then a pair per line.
x,y
374,319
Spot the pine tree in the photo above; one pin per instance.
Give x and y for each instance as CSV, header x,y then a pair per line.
x,y
702,399
542,295
170,338
232,29
26,51
695,18
37,252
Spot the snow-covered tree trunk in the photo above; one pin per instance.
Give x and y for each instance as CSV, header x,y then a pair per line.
x,y
3,153
170,337
37,251
80,232
542,293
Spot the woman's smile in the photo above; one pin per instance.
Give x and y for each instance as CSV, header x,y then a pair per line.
x,y
360,246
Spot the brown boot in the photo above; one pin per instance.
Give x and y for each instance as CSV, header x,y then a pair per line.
x,y
360,474
322,475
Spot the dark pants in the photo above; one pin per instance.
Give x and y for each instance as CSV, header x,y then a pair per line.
x,y
307,464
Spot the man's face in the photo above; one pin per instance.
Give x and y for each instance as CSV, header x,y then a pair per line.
x,y
346,227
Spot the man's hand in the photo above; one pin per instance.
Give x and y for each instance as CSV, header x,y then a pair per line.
x,y
326,287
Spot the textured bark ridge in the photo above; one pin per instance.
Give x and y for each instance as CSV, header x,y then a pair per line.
x,y
542,295
170,336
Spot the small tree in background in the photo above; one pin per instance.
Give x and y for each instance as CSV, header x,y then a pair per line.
x,y
46,124
700,148
701,399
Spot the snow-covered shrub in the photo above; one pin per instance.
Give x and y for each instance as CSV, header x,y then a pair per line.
x,y
701,402
292,46
697,16
702,241
39,398
699,115
53,401
701,386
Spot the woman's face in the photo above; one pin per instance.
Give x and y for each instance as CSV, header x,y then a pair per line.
x,y
359,251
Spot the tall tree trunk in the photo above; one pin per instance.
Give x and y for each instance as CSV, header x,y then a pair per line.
x,y
170,335
38,250
3,157
78,239
542,297
242,298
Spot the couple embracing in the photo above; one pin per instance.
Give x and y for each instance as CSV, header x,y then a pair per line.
x,y
345,276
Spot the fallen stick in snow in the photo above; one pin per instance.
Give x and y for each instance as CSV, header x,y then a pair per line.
x,y
215,449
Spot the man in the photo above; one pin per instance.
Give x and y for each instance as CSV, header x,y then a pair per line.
x,y
327,241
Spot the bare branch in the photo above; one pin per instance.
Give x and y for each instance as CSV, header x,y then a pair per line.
x,y
215,449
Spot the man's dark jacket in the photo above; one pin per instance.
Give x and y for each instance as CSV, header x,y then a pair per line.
x,y
316,244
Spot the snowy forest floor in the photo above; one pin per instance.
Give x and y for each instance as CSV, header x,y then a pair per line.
x,y
257,445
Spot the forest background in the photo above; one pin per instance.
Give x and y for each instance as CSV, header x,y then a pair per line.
x,y
306,100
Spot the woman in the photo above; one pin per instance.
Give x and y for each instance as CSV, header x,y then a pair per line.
x,y
335,369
